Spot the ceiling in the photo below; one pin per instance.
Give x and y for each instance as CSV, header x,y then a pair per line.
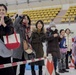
x,y
17,2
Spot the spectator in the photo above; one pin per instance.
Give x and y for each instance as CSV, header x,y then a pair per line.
x,y
53,40
63,51
69,46
38,37
22,26
6,27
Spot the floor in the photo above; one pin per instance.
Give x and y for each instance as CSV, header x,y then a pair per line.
x,y
28,72
71,72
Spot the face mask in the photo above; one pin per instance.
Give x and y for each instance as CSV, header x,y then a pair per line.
x,y
53,28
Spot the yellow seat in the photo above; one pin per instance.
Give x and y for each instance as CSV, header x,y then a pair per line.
x,y
11,15
56,12
67,19
68,11
50,15
67,14
48,21
45,21
33,23
74,13
63,20
52,18
72,19
52,12
54,15
44,14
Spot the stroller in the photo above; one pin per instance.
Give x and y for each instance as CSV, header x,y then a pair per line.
x,y
74,50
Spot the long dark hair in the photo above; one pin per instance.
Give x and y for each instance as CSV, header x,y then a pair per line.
x,y
28,19
41,23
62,30
68,29
3,6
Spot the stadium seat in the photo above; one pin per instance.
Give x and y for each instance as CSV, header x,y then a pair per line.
x,y
43,14
71,12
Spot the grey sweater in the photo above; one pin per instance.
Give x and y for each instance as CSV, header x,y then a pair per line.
x,y
19,52
4,52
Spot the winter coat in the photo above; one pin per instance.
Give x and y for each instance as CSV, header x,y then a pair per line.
x,y
36,42
4,52
62,45
68,42
53,43
8,29
19,28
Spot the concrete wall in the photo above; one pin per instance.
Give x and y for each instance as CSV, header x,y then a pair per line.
x,y
72,27
44,4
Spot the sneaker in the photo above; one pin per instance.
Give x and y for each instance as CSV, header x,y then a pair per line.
x,y
65,70
61,71
57,73
67,67
75,67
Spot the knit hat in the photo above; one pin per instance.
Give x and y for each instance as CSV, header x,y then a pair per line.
x,y
52,24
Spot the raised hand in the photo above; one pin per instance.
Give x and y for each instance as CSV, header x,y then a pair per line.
x,y
55,35
2,21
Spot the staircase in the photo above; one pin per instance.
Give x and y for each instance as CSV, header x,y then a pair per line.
x,y
58,17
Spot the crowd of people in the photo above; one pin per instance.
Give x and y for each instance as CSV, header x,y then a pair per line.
x,y
59,45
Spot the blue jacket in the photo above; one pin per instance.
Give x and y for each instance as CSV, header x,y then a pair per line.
x,y
63,43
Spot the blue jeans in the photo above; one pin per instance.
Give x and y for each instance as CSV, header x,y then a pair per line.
x,y
55,59
61,62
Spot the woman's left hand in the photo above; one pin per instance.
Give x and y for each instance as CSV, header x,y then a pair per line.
x,y
2,21
61,36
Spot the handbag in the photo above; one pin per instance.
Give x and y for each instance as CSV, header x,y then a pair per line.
x,y
63,50
28,49
12,41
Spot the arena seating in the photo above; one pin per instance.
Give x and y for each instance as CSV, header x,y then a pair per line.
x,y
70,15
49,14
11,14
43,14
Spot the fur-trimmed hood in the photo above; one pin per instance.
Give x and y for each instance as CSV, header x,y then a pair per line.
x,y
36,30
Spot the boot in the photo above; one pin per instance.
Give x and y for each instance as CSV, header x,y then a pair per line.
x,y
65,70
61,71
57,73
75,66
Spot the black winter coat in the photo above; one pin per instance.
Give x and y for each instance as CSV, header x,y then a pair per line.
x,y
8,29
53,43
36,42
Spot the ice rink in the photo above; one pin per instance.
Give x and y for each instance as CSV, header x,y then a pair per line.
x,y
71,72
28,72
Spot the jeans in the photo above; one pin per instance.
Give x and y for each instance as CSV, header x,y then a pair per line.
x,y
55,60
33,71
61,62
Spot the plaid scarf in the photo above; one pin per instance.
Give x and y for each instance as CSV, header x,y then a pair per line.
x,y
27,31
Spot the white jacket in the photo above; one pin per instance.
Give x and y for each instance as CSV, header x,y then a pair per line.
x,y
68,42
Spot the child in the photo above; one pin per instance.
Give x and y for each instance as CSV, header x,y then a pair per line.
x,y
63,51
